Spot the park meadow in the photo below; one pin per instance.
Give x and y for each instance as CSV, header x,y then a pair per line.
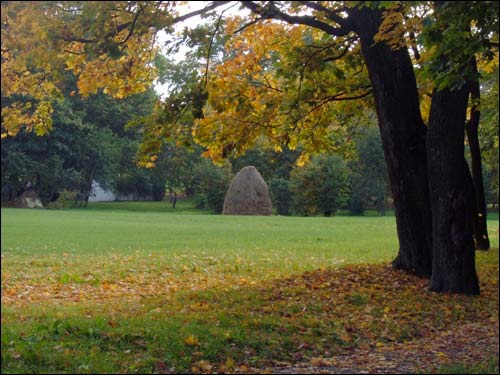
x,y
139,287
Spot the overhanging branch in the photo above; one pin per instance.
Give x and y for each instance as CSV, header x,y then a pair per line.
x,y
329,13
215,4
270,11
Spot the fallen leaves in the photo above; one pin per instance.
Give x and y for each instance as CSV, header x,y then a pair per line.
x,y
358,318
191,340
402,327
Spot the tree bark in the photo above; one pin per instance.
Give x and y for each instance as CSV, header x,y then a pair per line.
x,y
403,135
450,188
480,224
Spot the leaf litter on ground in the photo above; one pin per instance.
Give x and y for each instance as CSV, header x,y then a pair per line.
x,y
351,319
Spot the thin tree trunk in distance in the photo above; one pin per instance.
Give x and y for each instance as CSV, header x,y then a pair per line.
x,y
480,224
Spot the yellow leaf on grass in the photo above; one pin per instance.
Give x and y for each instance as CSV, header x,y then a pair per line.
x,y
345,337
191,340
229,364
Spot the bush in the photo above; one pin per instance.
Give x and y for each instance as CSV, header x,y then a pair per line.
x,y
357,200
211,183
200,201
281,195
67,199
141,184
322,186
369,179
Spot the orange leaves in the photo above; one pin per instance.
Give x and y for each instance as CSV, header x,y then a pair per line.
x,y
18,115
27,69
278,84
38,45
399,26
118,78
113,323
74,57
202,367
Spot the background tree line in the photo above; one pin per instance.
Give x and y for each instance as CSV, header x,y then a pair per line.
x,y
89,142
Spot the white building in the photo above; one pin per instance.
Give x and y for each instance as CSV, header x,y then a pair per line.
x,y
98,194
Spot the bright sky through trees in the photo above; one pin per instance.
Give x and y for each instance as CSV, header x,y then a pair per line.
x,y
162,37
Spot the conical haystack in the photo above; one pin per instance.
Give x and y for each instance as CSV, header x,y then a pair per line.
x,y
248,194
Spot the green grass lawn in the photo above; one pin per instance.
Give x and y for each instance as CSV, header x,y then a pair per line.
x,y
261,246
142,287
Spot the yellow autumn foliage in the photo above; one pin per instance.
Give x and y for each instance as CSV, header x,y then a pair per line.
x,y
39,44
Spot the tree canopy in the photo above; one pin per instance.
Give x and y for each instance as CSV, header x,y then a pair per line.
x,y
287,80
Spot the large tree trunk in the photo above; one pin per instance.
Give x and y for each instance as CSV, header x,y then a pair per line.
x,y
403,135
480,223
450,188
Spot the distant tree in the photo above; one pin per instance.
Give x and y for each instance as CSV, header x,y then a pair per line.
x,y
115,114
70,157
369,180
281,195
88,142
139,183
178,164
269,162
258,157
488,136
100,155
211,184
321,186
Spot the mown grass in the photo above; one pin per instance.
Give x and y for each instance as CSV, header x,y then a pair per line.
x,y
183,206
277,244
115,288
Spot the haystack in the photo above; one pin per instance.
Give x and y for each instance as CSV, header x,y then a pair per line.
x,y
248,194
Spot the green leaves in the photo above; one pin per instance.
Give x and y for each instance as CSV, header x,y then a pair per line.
x,y
322,186
454,33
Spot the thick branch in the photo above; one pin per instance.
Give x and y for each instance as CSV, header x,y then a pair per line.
x,y
330,14
270,11
71,38
266,85
210,7
254,21
340,97
414,47
132,27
